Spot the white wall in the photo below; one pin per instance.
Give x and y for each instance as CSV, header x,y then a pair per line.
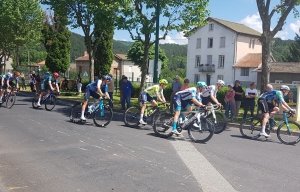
x,y
251,78
243,46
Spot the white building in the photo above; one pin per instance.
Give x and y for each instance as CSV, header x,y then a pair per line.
x,y
215,48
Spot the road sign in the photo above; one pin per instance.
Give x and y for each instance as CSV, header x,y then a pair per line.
x,y
85,74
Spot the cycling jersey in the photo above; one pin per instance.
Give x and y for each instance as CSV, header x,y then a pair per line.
x,y
153,90
182,99
188,93
93,86
271,95
210,90
13,81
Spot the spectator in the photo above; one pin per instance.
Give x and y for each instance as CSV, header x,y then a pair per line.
x,y
238,97
38,83
176,85
111,88
290,99
79,84
230,102
23,81
120,85
185,85
251,94
31,78
65,83
126,92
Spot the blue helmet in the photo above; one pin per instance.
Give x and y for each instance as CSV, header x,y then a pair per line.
x,y
201,84
107,77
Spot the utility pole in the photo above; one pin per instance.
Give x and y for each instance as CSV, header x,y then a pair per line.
x,y
155,76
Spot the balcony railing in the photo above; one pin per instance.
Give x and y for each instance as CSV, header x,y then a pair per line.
x,y
207,68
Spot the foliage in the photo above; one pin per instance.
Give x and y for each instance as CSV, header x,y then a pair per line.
x,y
280,49
56,39
294,50
136,54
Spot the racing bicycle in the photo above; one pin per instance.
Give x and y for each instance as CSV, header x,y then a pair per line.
x,y
217,118
48,98
9,98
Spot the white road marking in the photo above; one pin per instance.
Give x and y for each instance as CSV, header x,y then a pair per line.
x,y
209,179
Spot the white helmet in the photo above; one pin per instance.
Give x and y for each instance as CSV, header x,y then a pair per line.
x,y
221,82
284,87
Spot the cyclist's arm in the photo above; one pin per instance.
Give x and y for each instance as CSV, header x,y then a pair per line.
x,y
215,100
196,102
57,87
161,99
285,106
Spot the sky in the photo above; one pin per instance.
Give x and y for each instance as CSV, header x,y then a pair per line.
x,y
239,11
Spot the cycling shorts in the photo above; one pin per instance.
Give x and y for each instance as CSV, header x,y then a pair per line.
x,y
45,88
89,93
265,106
10,84
179,103
205,100
145,97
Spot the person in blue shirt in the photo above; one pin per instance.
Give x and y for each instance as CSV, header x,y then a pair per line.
x,y
127,90
267,107
98,86
9,80
48,83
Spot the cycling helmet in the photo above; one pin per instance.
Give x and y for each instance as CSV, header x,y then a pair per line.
x,y
221,82
163,81
284,87
17,73
202,84
47,73
55,75
107,77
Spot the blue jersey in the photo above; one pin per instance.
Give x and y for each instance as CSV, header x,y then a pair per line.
x,y
188,94
93,86
271,95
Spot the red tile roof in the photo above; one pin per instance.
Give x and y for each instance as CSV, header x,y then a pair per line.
x,y
283,67
251,60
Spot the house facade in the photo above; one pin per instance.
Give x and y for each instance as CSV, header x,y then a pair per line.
x,y
215,48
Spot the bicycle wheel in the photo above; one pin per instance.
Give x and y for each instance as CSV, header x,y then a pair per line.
x,y
132,116
10,100
203,133
251,127
102,117
162,125
50,102
75,112
289,136
220,121
35,100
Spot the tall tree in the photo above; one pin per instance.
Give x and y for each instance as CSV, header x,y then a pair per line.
x,y
138,17
56,38
283,7
20,23
294,50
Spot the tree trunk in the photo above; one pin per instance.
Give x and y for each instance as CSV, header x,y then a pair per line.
x,y
265,74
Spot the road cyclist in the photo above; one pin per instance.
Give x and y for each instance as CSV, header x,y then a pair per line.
x,y
9,80
148,94
211,93
267,107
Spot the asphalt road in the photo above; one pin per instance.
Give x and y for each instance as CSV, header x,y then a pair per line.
x,y
44,151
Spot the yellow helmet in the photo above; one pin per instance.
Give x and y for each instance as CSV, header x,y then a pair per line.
x,y
163,81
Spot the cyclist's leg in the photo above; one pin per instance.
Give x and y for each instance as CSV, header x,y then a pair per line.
x,y
177,108
262,103
86,100
96,97
144,99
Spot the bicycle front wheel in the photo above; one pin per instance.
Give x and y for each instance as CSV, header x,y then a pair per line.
x,y
220,122
50,103
132,116
203,133
10,100
289,136
163,124
102,117
251,127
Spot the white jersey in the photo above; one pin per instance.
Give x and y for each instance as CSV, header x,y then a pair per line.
x,y
188,93
210,90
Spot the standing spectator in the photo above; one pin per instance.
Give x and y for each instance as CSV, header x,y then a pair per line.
x,y
23,81
176,85
185,85
111,88
126,92
251,94
31,78
79,84
38,83
65,83
120,85
230,102
238,96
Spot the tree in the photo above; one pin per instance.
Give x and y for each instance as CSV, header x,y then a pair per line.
x,y
87,14
56,38
138,17
283,8
294,50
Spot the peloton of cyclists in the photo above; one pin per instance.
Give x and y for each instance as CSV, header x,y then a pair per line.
x,y
184,99
9,80
266,105
148,94
96,89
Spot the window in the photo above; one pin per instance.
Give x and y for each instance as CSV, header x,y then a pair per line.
x,y
221,61
253,42
209,59
197,78
211,27
278,81
130,69
198,59
244,71
210,43
295,82
222,42
220,77
198,46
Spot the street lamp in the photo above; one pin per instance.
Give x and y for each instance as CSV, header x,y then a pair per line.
x,y
155,76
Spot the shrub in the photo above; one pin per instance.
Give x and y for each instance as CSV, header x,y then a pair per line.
x,y
135,90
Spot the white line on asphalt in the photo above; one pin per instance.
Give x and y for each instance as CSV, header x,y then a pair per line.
x,y
207,176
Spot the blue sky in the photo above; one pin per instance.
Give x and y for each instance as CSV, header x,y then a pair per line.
x,y
239,11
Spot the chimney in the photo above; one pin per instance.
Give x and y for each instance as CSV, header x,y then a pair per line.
x,y
85,53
